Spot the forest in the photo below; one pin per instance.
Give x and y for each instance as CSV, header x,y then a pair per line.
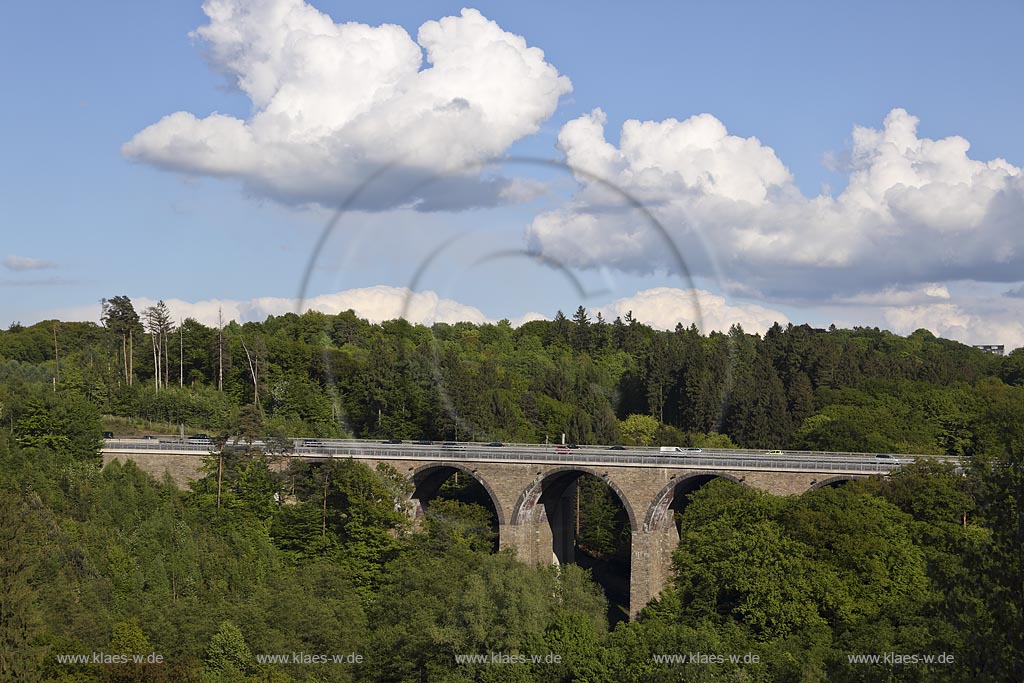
x,y
321,558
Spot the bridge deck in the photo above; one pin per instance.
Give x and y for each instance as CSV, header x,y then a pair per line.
x,y
732,459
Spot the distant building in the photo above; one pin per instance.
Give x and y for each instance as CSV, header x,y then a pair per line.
x,y
991,348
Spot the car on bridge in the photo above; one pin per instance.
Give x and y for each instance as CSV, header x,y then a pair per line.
x,y
423,442
616,448
108,435
494,444
452,445
392,441
685,451
887,456
775,452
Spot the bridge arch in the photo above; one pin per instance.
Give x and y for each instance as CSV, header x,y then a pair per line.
x,y
427,480
558,479
832,482
661,511
546,515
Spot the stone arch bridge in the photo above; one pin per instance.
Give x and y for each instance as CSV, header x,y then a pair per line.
x,y
532,487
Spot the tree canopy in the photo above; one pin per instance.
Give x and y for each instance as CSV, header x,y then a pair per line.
x,y
288,556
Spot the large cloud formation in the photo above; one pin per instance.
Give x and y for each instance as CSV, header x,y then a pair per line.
x,y
915,210
335,103
666,307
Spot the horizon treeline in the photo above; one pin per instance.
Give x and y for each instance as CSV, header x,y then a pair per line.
x,y
324,375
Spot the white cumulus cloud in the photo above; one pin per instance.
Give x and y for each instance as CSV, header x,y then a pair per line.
x,y
376,304
665,307
661,307
915,210
335,103
970,322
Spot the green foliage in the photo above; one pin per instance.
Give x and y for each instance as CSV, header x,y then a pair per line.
x,y
65,424
638,430
603,526
21,622
323,375
127,637
228,657
323,557
451,523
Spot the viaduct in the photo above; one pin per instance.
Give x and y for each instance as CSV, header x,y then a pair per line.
x,y
532,487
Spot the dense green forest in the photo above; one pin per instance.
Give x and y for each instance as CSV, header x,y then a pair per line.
x,y
321,558
335,375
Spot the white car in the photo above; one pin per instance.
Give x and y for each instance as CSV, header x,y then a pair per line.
x,y
677,449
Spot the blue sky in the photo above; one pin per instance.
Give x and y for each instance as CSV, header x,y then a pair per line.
x,y
82,220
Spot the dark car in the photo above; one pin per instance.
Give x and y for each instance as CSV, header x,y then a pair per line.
x,y
202,438
495,443
108,435
886,456
617,448
392,441
149,437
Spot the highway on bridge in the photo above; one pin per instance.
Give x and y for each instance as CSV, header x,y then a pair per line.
x,y
466,452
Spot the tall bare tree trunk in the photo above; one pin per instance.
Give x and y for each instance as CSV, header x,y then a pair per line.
x,y
323,517
167,364
156,366
124,355
220,351
181,355
220,473
131,357
254,370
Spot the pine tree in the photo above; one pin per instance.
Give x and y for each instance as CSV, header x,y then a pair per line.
x,y
560,328
801,398
581,330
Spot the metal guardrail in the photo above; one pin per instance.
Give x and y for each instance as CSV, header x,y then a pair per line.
x,y
745,452
733,460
